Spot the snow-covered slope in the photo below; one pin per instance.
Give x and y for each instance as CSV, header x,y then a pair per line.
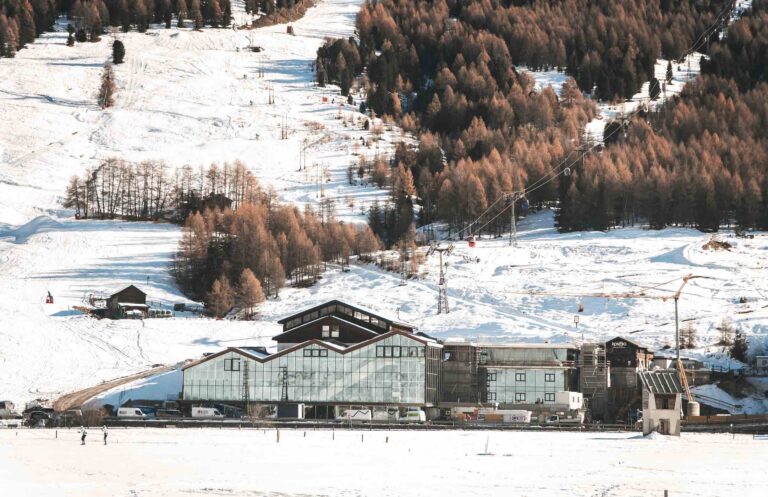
x,y
182,98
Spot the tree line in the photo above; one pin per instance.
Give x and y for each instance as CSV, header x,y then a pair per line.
x,y
148,192
275,242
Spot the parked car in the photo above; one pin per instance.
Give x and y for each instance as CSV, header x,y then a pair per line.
x,y
169,414
131,412
558,420
206,413
414,415
10,423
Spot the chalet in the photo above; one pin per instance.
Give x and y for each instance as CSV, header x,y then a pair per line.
x,y
662,402
338,321
129,301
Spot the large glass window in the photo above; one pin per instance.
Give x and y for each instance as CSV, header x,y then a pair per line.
x,y
549,377
315,353
520,397
519,376
549,397
393,370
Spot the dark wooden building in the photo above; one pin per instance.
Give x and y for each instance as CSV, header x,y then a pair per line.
x,y
626,358
622,352
338,321
126,302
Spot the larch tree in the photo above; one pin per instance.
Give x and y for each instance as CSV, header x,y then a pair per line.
x,y
221,298
249,292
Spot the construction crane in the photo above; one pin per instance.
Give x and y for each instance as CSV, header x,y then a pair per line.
x,y
642,295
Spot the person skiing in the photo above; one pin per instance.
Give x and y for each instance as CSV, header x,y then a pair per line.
x,y
83,433
104,430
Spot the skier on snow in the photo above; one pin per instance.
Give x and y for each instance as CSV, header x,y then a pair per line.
x,y
104,430
83,433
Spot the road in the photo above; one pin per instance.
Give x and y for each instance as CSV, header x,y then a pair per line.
x,y
75,400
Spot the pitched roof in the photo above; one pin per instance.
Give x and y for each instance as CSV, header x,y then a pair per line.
x,y
664,381
629,341
331,316
322,343
353,307
128,288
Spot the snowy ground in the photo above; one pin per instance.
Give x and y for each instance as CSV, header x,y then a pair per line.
x,y
154,463
183,97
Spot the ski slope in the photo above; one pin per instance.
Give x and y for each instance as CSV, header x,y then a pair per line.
x,y
185,98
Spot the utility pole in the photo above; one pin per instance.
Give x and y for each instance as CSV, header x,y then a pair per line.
x,y
442,282
512,220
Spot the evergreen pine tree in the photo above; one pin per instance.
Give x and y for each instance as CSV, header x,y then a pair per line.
x,y
739,347
118,52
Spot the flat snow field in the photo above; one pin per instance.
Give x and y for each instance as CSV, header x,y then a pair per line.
x,y
156,462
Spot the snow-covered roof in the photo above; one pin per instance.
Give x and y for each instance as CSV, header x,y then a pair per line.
x,y
255,351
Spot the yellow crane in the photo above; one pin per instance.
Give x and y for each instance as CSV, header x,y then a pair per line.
x,y
642,295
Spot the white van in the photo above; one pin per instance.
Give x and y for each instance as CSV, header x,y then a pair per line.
x,y
130,412
414,415
356,415
206,412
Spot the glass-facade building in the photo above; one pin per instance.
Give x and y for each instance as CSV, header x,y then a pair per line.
x,y
394,368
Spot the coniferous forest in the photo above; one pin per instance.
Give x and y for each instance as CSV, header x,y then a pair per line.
x,y
446,70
